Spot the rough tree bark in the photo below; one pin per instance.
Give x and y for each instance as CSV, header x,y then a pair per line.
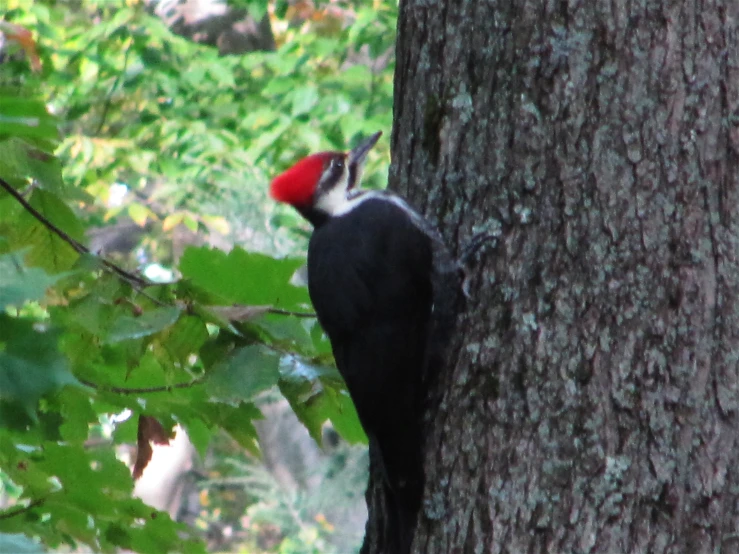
x,y
590,400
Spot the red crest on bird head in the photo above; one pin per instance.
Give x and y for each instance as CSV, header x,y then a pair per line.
x,y
297,185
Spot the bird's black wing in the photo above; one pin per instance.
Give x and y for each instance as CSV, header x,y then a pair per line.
x,y
369,275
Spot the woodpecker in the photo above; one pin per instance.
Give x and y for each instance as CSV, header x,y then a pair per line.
x,y
371,264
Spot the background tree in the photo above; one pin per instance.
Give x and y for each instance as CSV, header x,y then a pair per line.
x,y
590,402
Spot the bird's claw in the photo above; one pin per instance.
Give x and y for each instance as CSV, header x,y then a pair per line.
x,y
469,251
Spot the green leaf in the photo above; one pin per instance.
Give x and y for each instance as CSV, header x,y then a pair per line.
x,y
148,323
245,278
47,249
246,373
26,117
304,99
317,394
185,337
16,459
77,414
266,140
237,421
321,344
21,161
161,534
19,284
303,397
30,363
199,435
223,75
122,18
296,371
288,332
258,8
344,418
86,484
139,213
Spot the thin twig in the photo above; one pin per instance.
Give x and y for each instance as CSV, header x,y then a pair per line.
x,y
279,311
143,390
22,509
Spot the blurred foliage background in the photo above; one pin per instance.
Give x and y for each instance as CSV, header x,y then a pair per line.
x,y
148,287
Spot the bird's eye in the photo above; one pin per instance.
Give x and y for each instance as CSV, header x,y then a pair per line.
x,y
337,162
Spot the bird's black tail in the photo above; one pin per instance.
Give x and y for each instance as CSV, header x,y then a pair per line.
x,y
398,453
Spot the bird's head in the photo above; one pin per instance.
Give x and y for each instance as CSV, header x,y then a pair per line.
x,y
320,182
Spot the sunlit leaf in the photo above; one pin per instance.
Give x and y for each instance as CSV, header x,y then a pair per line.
x,y
139,213
172,221
304,99
46,248
26,117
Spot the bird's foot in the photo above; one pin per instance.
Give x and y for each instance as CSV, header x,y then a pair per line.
x,y
469,252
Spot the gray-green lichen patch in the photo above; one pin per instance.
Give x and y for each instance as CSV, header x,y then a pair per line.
x,y
462,104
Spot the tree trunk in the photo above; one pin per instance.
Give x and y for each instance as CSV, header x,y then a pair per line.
x,y
590,399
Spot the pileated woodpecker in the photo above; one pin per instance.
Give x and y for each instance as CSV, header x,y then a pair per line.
x,y
371,261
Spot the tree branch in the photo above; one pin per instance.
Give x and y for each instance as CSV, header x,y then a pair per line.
x,y
22,509
134,280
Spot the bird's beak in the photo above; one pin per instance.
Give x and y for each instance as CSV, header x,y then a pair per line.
x,y
356,156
